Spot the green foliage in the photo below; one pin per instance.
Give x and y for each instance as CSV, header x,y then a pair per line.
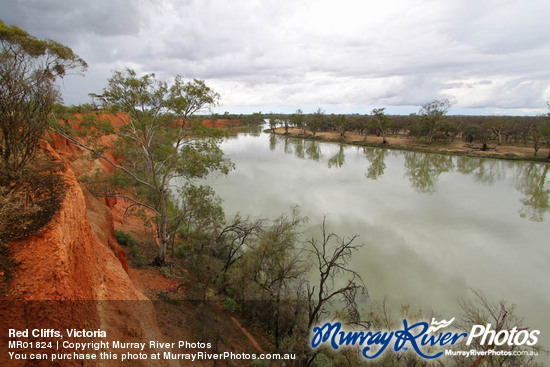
x,y
231,305
342,124
28,70
123,238
166,271
273,122
431,116
159,144
476,132
315,121
380,123
199,208
137,257
183,251
298,120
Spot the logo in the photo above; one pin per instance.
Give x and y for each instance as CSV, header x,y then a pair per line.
x,y
417,337
439,325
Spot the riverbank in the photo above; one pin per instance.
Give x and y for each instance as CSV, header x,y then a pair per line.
x,y
399,142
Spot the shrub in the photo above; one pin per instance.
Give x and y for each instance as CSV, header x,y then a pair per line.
x,y
165,270
137,258
183,251
29,201
123,238
231,305
165,296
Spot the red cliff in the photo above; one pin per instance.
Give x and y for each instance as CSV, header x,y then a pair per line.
x,y
73,274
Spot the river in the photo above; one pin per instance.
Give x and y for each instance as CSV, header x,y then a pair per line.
x,y
434,226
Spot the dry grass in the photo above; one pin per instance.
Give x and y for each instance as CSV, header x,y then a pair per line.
x,y
29,202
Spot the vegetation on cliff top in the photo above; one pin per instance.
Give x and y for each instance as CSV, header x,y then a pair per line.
x,y
31,191
28,70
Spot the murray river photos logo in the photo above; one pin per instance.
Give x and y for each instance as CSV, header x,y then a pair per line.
x,y
419,337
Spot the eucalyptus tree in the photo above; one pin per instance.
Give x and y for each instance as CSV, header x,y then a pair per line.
x,y
380,123
315,120
431,116
342,124
273,122
28,70
160,144
298,120
545,131
273,266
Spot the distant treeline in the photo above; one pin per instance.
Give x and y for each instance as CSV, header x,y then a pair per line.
x,y
430,124
515,129
483,129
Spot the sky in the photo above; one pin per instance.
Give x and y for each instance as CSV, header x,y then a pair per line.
x,y
487,57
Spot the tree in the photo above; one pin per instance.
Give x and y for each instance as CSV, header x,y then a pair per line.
x,y
232,240
285,120
330,258
336,281
542,132
380,123
273,121
477,132
160,143
299,121
28,70
274,264
431,115
544,129
500,127
198,212
501,317
315,121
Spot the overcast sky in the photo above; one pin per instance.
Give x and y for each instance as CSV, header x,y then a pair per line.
x,y
485,56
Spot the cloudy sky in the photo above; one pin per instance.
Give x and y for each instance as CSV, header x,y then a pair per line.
x,y
486,57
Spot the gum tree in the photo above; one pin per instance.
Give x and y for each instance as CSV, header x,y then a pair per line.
x,y
380,123
431,116
29,68
159,143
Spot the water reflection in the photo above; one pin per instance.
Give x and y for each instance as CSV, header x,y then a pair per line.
x,y
423,170
273,140
531,182
302,148
313,150
377,158
338,159
433,226
486,171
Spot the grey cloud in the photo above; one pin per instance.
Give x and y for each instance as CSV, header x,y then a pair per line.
x,y
66,20
479,54
501,27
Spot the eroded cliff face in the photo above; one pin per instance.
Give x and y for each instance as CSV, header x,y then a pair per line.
x,y
73,274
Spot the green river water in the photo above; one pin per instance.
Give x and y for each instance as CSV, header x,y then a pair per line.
x,y
433,226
